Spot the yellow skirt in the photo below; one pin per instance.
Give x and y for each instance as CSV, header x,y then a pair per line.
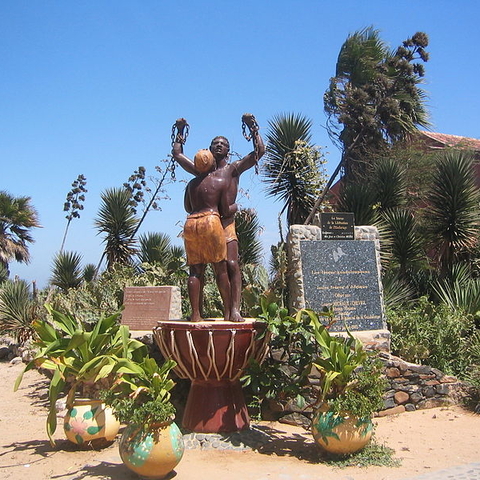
x,y
204,238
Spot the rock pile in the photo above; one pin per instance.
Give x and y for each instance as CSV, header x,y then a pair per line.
x,y
415,387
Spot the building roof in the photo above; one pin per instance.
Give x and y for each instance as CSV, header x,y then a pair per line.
x,y
453,140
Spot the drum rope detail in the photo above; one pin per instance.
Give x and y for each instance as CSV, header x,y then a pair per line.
x,y
167,341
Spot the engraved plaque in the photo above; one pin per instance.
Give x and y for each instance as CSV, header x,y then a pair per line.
x,y
337,226
145,306
343,275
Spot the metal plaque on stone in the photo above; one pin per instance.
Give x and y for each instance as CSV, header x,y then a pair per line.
x,y
145,306
343,275
337,226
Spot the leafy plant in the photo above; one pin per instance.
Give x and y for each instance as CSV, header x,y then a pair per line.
x,y
436,335
79,355
282,375
308,364
373,454
350,378
141,394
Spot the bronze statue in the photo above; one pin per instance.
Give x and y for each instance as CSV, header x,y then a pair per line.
x,y
224,175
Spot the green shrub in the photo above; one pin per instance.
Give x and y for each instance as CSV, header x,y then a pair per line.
x,y
437,335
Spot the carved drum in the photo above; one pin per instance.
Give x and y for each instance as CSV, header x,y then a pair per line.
x,y
213,355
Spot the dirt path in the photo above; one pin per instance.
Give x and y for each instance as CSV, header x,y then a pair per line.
x,y
425,441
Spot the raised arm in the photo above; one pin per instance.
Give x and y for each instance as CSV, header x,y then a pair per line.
x,y
258,146
177,147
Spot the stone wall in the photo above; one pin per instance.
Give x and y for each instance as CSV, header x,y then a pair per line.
x,y
416,387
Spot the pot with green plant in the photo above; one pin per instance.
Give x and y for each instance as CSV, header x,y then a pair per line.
x,y
82,358
151,445
350,387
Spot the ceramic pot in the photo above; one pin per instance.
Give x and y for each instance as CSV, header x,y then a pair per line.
x,y
90,422
152,453
341,434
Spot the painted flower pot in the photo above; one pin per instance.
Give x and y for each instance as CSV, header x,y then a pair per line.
x,y
341,434
90,422
152,453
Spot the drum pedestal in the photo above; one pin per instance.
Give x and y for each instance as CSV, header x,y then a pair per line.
x,y
213,355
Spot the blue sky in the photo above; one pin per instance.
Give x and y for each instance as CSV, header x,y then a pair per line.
x,y
93,87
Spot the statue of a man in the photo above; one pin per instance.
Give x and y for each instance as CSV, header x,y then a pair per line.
x,y
230,173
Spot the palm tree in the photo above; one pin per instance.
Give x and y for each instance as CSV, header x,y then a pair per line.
x,y
453,215
116,220
17,218
67,271
292,167
374,99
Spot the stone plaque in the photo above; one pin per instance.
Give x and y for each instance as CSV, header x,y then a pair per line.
x,y
343,275
337,226
145,306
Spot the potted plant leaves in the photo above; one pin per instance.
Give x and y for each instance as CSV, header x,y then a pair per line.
x,y
151,445
83,359
331,374
350,387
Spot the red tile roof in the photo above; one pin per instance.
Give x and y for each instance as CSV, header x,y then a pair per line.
x,y
453,140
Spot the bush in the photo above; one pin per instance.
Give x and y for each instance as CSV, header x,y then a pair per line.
x,y
437,335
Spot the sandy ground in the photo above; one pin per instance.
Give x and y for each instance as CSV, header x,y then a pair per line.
x,y
424,441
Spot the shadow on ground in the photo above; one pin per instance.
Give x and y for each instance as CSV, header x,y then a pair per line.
x,y
104,470
296,445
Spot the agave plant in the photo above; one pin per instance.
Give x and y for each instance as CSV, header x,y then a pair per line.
x,y
18,310
460,290
66,271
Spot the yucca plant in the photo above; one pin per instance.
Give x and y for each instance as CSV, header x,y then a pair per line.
x,y
454,215
292,169
248,229
360,199
116,220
